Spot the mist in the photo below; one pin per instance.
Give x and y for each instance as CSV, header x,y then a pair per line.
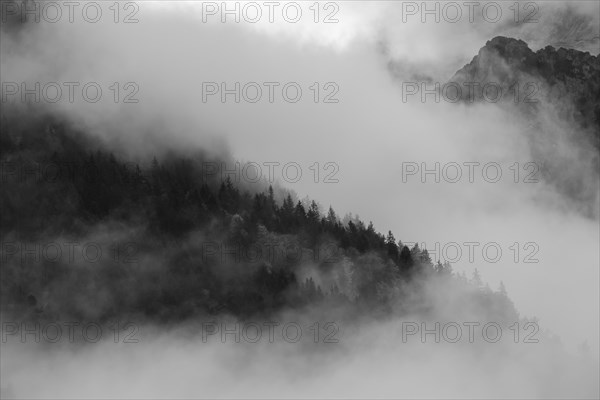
x,y
369,134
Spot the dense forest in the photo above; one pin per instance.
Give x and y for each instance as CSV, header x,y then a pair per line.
x,y
159,240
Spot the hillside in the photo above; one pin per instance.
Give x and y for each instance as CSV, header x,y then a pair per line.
x,y
168,245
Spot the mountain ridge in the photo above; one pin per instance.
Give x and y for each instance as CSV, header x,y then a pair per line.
x,y
568,78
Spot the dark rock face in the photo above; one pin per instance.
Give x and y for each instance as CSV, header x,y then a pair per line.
x,y
574,75
486,64
566,78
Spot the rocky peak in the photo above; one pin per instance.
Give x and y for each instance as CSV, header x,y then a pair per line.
x,y
566,78
511,50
